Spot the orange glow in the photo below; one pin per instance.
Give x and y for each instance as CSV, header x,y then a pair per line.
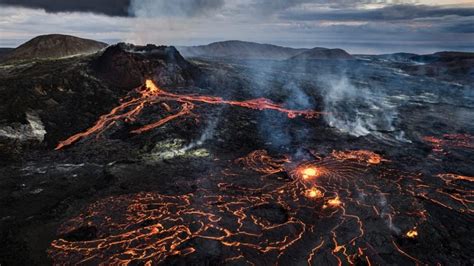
x,y
151,86
412,233
334,202
314,193
260,161
151,94
439,145
233,215
309,172
374,160
359,155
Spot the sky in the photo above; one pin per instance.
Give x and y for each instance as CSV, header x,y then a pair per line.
x,y
359,26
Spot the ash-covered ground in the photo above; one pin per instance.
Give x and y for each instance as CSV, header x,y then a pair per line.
x,y
365,161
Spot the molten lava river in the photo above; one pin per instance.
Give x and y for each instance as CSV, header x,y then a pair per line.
x,y
342,208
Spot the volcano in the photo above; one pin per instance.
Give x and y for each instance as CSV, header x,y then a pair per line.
x,y
139,155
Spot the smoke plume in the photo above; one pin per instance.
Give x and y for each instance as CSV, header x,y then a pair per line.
x,y
358,111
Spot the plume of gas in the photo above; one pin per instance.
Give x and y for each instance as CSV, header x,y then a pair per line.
x,y
207,134
387,214
357,110
267,79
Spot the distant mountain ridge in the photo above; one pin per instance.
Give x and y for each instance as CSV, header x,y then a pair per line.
x,y
240,50
444,56
323,54
54,46
251,50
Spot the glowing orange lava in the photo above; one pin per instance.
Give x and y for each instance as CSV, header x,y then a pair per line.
x,y
463,141
369,157
412,233
151,94
309,172
150,228
335,202
151,86
260,161
314,193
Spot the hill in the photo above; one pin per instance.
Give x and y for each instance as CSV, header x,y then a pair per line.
x,y
54,46
240,50
323,54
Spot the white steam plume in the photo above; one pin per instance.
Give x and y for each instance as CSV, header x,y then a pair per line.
x,y
356,111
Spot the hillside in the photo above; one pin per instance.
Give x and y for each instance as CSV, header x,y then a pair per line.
x,y
54,46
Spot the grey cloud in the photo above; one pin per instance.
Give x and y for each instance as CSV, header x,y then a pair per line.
x,y
274,6
388,13
271,6
415,28
464,27
107,7
153,8
453,24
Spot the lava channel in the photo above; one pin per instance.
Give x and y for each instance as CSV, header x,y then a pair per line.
x,y
150,94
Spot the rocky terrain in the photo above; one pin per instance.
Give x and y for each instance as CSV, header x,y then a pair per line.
x,y
136,155
451,66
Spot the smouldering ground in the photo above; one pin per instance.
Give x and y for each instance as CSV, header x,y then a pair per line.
x,y
344,207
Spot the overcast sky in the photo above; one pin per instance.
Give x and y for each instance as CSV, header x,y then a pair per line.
x,y
359,26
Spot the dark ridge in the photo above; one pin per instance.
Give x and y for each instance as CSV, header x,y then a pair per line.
x,y
240,50
445,56
323,54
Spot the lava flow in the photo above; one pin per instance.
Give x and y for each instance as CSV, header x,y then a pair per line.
x,y
461,141
331,210
151,94
278,220
260,161
359,155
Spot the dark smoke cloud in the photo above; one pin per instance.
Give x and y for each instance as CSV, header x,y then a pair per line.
x,y
145,8
107,7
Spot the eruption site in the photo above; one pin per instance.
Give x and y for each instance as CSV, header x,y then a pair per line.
x,y
326,210
152,228
355,160
150,94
